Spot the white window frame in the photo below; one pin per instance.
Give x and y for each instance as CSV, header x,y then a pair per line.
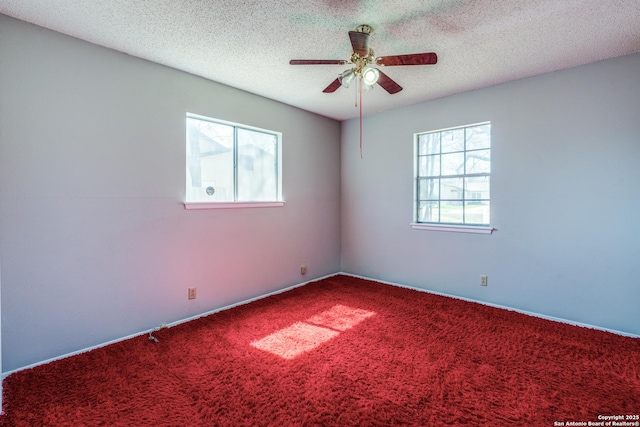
x,y
444,226
199,205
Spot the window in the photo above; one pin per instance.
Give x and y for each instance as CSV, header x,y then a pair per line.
x,y
453,172
230,165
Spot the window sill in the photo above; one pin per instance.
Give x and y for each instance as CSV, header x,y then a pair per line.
x,y
230,205
453,228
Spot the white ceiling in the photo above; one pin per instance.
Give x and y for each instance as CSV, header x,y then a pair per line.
x,y
248,44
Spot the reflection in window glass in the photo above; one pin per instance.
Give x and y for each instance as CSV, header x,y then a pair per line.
x,y
257,166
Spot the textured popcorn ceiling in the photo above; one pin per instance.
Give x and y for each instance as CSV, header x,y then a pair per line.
x,y
247,44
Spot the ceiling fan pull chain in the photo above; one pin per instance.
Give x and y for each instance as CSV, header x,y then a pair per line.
x,y
360,86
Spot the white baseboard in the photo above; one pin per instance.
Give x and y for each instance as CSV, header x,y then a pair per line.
x,y
530,313
178,322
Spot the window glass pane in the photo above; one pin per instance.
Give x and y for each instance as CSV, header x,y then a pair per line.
x,y
477,188
479,137
451,188
209,160
452,164
429,166
452,140
476,212
453,170
429,143
451,212
422,166
257,166
429,189
428,212
479,161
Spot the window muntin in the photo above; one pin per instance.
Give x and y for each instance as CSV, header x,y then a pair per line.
x,y
453,174
227,162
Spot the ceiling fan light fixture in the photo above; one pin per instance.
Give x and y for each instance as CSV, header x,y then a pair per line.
x,y
346,77
370,76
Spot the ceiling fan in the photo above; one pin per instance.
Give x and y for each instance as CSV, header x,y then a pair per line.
x,y
362,59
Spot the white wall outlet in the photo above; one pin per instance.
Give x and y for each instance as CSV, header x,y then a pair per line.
x,y
484,280
303,269
192,293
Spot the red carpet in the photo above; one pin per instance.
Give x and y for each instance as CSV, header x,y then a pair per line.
x,y
340,352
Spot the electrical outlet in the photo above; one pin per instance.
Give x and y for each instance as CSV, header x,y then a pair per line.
x,y
303,269
192,293
484,280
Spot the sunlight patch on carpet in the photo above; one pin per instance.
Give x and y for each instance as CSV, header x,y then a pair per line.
x,y
295,339
305,336
340,317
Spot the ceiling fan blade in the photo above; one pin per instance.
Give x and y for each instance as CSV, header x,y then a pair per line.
x,y
359,42
333,86
388,84
317,62
410,59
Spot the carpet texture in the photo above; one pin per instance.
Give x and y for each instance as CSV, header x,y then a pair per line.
x,y
340,352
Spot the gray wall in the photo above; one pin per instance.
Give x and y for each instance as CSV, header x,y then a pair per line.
x,y
95,243
565,197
